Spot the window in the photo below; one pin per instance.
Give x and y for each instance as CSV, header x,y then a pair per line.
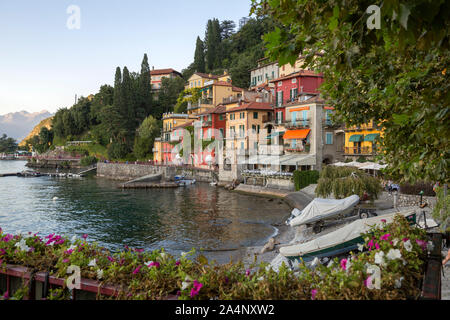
x,y
255,145
242,145
273,75
232,131
280,83
242,115
255,115
241,131
329,138
280,98
221,133
220,117
294,93
253,128
294,80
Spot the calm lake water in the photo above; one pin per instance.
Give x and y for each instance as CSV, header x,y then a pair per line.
x,y
180,219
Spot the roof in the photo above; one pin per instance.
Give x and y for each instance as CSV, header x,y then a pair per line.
x,y
217,110
206,75
184,125
307,73
316,99
252,106
163,71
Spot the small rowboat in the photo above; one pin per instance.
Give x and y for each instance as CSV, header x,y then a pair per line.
x,y
340,241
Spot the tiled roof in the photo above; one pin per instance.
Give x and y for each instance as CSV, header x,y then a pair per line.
x,y
308,73
205,75
163,71
184,125
217,110
253,106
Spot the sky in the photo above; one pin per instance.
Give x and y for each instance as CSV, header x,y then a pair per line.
x,y
44,63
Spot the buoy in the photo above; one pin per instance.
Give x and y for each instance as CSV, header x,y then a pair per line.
x,y
55,198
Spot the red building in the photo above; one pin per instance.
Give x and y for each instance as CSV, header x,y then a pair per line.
x,y
213,119
290,88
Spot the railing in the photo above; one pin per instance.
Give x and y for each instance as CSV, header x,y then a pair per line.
x,y
299,123
360,150
206,101
289,149
193,106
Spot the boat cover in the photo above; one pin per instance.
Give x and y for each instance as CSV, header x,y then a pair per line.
x,y
319,209
342,235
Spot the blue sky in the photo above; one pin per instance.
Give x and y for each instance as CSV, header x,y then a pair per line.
x,y
44,64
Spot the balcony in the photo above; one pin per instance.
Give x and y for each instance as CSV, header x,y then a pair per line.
x,y
208,100
273,149
289,149
298,124
364,151
193,106
267,119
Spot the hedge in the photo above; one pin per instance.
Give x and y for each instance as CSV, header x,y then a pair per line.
x,y
414,189
302,179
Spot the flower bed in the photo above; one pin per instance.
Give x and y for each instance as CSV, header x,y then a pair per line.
x,y
397,251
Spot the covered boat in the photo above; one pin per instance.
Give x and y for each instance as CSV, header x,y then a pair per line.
x,y
340,241
323,209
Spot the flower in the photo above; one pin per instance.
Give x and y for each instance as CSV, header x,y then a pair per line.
x,y
196,289
22,245
137,270
247,272
177,263
315,262
92,263
313,294
407,245
85,236
368,282
152,264
383,220
360,247
99,274
74,238
385,236
394,254
344,264
422,244
377,246
68,251
184,285
379,258
330,264
2,251
65,260
398,283
395,241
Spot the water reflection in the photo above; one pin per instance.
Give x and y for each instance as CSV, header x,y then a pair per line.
x,y
198,216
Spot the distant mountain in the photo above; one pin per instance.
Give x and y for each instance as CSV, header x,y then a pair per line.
x,y
18,124
47,122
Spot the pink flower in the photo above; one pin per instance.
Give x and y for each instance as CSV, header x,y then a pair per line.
x,y
6,296
137,270
422,243
385,237
383,220
68,251
405,239
368,281
31,249
377,246
139,250
111,259
177,263
247,272
66,260
85,236
196,289
2,251
154,264
8,237
344,264
313,294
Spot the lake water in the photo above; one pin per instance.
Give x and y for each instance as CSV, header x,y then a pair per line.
x,y
198,216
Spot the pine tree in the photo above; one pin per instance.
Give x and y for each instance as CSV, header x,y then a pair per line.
x,y
199,57
117,89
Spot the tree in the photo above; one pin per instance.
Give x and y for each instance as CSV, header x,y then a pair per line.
x,y
144,103
227,29
7,144
199,57
168,94
212,43
395,75
342,182
148,130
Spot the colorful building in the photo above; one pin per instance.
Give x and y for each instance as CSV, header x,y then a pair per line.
x,y
362,141
157,76
263,73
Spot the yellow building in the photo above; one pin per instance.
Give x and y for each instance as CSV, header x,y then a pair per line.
x,y
288,69
244,124
362,141
172,120
198,79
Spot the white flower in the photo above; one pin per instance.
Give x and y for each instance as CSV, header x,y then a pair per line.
x,y
398,282
163,255
92,263
394,254
99,274
22,245
360,246
184,285
315,262
407,245
395,241
430,246
260,279
72,247
330,264
74,238
183,254
379,258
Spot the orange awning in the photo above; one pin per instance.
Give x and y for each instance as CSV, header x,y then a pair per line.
x,y
296,134
328,108
299,109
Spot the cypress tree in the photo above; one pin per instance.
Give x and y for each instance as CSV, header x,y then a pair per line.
x,y
199,57
210,46
144,103
117,101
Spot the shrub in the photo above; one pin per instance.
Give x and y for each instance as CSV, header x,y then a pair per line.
x,y
117,151
88,161
302,179
414,189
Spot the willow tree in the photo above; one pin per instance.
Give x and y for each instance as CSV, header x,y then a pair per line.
x,y
343,182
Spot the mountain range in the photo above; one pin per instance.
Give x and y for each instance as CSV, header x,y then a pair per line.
x,y
18,124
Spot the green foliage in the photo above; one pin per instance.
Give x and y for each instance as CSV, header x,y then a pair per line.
x,y
441,211
416,188
199,56
302,179
117,150
397,74
7,144
140,274
147,132
88,161
168,95
342,182
191,95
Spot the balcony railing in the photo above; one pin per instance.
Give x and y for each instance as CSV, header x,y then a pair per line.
x,y
299,123
206,101
288,148
193,106
360,151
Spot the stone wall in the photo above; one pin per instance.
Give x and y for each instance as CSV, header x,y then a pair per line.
x,y
407,200
270,182
121,171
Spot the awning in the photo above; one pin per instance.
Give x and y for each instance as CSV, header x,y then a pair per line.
x,y
274,135
299,109
371,137
356,138
297,134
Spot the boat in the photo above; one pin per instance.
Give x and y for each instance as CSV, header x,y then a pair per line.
x,y
340,241
318,211
185,182
28,174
